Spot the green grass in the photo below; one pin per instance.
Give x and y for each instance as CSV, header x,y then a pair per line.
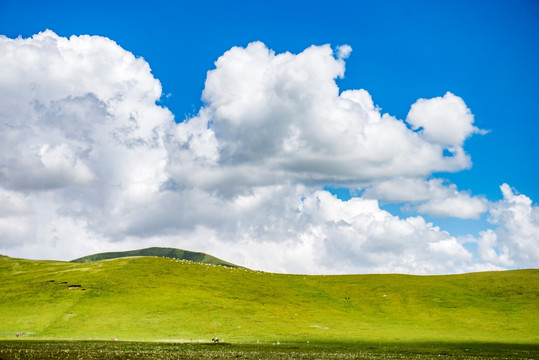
x,y
149,298
170,253
90,350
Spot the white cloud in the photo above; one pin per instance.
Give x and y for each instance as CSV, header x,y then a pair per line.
x,y
16,220
488,249
282,116
89,162
364,238
444,120
516,240
80,133
460,206
293,229
344,51
432,197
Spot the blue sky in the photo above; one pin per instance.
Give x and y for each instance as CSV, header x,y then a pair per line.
x,y
484,53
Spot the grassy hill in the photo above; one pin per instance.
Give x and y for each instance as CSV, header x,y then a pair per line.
x,y
160,252
152,298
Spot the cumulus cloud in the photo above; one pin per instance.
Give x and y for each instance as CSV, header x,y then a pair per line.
x,y
80,135
516,239
282,116
444,120
89,162
368,239
433,197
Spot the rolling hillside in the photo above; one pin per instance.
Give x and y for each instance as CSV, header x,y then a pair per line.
x,y
152,298
160,252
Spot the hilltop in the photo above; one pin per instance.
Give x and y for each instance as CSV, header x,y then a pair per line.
x,y
155,298
160,252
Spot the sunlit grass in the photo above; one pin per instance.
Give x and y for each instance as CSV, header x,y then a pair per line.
x,y
150,298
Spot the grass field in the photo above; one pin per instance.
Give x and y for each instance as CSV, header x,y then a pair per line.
x,y
149,298
170,253
91,350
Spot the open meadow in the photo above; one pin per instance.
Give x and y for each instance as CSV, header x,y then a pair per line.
x,y
170,309
92,350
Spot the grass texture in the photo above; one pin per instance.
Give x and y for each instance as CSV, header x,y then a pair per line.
x,y
170,253
170,300
93,350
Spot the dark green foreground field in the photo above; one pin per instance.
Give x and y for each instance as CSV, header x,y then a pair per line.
x,y
159,299
92,350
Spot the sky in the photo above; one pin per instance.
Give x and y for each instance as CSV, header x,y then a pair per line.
x,y
301,137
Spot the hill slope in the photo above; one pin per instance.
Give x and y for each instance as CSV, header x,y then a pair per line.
x,y
160,252
149,298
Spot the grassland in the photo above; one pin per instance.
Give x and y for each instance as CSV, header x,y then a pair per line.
x,y
170,253
92,350
168,300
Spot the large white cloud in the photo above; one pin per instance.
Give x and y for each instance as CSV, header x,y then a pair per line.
x,y
282,116
89,162
80,134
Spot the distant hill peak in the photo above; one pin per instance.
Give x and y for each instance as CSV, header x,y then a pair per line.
x,y
171,253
